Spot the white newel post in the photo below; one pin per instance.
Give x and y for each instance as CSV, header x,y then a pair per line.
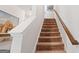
x,y
16,42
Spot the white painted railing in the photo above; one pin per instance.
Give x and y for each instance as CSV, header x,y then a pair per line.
x,y
25,35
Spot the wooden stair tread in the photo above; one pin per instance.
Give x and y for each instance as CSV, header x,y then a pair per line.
x,y
50,40
50,47
50,37
49,24
49,32
50,43
49,27
61,51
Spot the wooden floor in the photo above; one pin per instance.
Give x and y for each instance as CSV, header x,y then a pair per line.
x,y
50,40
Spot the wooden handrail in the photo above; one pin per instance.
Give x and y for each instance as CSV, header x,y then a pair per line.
x,y
70,36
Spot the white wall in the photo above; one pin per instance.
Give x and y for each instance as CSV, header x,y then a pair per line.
x,y
6,16
25,35
67,44
31,34
70,16
29,10
13,10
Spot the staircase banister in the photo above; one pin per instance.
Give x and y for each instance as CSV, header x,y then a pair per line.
x,y
70,36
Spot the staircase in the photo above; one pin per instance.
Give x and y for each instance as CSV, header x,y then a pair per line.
x,y
5,42
50,39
